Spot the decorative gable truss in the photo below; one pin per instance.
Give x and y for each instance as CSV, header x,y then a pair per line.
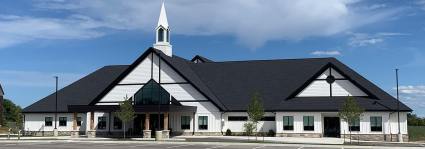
x,y
152,68
331,83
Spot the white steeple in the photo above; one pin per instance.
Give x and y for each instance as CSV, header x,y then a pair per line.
x,y
162,30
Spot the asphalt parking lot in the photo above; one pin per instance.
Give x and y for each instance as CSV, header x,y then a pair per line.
x,y
79,145
154,145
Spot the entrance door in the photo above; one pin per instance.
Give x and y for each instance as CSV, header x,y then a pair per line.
x,y
154,124
139,124
331,127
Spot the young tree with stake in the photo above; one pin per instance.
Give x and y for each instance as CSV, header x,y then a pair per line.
x,y
126,112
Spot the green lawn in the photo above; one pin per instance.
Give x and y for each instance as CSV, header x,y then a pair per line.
x,y
416,133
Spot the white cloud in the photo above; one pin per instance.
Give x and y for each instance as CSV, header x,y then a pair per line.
x,y
252,22
326,53
413,95
35,78
364,39
18,29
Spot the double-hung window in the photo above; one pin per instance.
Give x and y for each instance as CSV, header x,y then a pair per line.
x,y
101,122
308,123
288,123
185,122
48,121
355,125
203,122
375,123
62,121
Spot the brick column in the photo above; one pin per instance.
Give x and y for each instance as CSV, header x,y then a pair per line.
x,y
91,120
166,121
166,132
147,131
147,121
75,132
92,132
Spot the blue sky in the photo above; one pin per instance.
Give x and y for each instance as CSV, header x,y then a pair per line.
x,y
43,38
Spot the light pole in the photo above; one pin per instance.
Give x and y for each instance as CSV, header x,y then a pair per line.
x,y
55,131
399,136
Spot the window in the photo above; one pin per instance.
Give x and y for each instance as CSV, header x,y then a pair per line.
x,y
185,122
117,123
376,123
62,121
355,125
288,123
160,35
237,118
78,121
152,94
101,122
48,121
308,123
203,122
268,118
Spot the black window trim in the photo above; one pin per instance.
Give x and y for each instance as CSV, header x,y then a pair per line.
x,y
45,121
202,127
308,127
186,126
61,120
237,118
289,127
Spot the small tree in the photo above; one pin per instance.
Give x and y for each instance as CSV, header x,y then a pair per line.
x,y
255,110
249,128
350,112
126,112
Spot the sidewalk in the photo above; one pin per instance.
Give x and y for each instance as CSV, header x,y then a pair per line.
x,y
286,140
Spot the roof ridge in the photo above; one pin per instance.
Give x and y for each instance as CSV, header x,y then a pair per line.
x,y
270,60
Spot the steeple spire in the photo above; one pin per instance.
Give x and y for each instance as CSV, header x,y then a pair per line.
x,y
163,33
163,17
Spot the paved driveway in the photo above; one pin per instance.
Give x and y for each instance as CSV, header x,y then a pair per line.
x,y
163,145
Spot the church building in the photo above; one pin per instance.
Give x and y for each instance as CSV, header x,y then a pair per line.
x,y
199,96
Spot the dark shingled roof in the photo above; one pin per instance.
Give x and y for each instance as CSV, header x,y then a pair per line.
x,y
229,85
1,90
81,92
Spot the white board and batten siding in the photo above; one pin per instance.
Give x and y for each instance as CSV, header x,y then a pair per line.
x,y
298,122
320,88
36,122
389,123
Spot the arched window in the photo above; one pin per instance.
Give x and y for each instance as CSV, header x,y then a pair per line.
x,y
160,35
152,94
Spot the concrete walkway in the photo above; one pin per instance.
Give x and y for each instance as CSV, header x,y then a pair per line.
x,y
290,140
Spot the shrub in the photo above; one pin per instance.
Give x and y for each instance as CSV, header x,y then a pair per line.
x,y
271,133
228,132
249,128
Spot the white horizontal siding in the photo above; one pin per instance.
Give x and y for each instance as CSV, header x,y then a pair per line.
x,y
119,92
183,92
140,74
36,122
346,88
316,88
